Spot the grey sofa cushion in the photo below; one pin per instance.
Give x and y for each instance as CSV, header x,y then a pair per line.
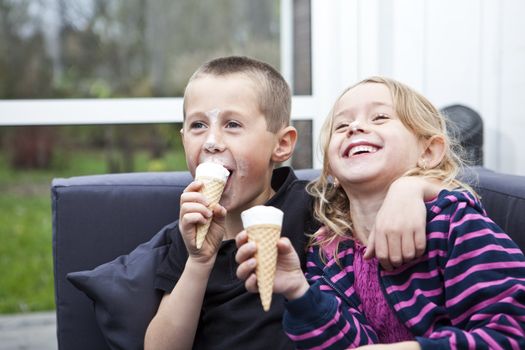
x,y
97,218
123,292
503,197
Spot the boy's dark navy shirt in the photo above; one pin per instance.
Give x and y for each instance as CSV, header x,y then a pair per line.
x,y
231,317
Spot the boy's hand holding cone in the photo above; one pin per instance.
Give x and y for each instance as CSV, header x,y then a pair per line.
x,y
213,177
263,226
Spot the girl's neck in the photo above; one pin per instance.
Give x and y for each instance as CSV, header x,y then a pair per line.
x,y
363,210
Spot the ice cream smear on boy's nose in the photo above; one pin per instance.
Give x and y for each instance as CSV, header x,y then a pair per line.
x,y
212,144
213,118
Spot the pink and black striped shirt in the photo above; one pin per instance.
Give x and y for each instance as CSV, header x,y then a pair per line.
x,y
466,292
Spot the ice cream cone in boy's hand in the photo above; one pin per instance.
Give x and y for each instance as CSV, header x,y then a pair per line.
x,y
263,225
213,176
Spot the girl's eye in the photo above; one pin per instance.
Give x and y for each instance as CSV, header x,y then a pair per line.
x,y
197,125
380,117
341,127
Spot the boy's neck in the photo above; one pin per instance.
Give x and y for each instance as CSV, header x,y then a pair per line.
x,y
233,226
233,218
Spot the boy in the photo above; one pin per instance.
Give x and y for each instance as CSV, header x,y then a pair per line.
x,y
236,113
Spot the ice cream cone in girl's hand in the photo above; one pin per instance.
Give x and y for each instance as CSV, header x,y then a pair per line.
x,y
263,225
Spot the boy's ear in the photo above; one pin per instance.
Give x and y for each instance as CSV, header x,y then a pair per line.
x,y
433,153
286,139
182,135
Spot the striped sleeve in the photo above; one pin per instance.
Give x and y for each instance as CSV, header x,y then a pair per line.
x,y
484,278
327,317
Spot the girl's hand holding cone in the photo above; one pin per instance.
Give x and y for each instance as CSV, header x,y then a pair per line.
x,y
289,278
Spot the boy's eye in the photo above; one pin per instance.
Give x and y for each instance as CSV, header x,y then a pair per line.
x,y
233,124
197,125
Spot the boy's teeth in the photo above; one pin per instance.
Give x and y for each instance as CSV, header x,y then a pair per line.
x,y
363,148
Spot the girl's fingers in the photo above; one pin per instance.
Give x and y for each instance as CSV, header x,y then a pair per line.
x,y
251,284
245,252
245,269
241,238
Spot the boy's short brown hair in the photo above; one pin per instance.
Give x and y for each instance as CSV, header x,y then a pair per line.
x,y
274,92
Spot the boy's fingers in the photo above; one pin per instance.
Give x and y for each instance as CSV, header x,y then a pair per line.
x,y
193,197
370,246
420,241
395,250
194,186
408,248
193,207
382,251
191,219
219,213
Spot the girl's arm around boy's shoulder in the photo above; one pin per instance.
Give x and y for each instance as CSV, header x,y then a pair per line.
x,y
398,238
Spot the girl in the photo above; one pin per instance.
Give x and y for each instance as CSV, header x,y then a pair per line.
x,y
467,291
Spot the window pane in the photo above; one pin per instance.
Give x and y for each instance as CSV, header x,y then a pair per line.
x,y
303,154
125,48
30,157
302,47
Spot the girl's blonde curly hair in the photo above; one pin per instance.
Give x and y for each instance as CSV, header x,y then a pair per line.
x,y
331,205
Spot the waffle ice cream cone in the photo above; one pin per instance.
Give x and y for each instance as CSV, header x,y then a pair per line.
x,y
213,176
263,225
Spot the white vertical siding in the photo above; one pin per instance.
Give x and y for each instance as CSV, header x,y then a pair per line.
x,y
470,52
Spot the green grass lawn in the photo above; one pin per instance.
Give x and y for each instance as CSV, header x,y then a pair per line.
x,y
26,265
26,281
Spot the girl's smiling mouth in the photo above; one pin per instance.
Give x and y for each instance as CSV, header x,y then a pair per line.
x,y
360,147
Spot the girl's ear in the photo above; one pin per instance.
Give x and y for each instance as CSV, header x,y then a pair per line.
x,y
433,153
286,139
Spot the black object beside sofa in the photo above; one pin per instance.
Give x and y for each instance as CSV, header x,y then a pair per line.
x,y
100,217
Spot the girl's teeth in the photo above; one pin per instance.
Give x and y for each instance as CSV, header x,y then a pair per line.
x,y
363,148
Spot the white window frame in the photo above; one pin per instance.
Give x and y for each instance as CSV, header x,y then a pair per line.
x,y
327,22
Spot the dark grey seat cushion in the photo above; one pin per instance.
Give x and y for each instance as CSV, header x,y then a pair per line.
x,y
99,219
503,196
96,219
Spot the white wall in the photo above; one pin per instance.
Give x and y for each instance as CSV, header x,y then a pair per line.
x,y
470,52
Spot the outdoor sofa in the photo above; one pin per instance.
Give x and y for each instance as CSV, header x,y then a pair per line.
x,y
102,218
